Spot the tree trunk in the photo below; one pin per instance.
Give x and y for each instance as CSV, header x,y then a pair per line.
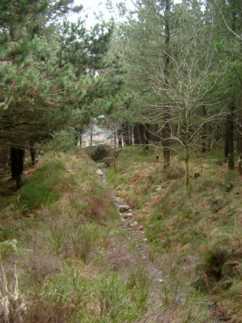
x,y
32,151
187,169
231,111
80,137
132,134
166,116
152,131
166,142
226,140
230,138
119,133
137,136
17,165
115,138
143,135
126,134
204,132
3,159
91,135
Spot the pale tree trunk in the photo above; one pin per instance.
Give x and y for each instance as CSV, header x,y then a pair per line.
x,y
122,141
230,138
166,143
114,138
226,141
166,115
80,137
91,135
204,133
187,170
120,137
230,133
132,135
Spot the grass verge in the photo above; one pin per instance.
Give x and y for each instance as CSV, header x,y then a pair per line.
x,y
197,239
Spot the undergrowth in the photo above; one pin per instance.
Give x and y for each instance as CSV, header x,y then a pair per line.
x,y
42,189
60,227
103,298
56,230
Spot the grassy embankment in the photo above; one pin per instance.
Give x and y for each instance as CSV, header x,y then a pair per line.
x,y
57,230
197,239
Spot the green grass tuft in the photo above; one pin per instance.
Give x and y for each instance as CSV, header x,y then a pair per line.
x,y
105,298
41,189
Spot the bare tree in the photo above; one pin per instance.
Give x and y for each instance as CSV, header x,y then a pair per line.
x,y
185,95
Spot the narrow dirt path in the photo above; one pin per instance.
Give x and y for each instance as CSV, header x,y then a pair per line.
x,y
140,256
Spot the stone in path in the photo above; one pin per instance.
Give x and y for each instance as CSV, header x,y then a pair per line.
x,y
127,215
123,208
100,172
121,256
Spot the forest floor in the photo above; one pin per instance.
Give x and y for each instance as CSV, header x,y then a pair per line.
x,y
131,248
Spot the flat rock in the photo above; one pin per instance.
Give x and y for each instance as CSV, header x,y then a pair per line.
x,y
127,215
134,224
118,200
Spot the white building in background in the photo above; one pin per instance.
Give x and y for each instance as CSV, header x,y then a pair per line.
x,y
95,135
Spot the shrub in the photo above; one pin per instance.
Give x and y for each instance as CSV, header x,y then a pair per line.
x,y
100,152
105,298
175,171
210,270
8,248
73,239
41,190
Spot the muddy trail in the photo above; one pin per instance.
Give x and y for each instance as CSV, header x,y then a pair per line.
x,y
126,259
